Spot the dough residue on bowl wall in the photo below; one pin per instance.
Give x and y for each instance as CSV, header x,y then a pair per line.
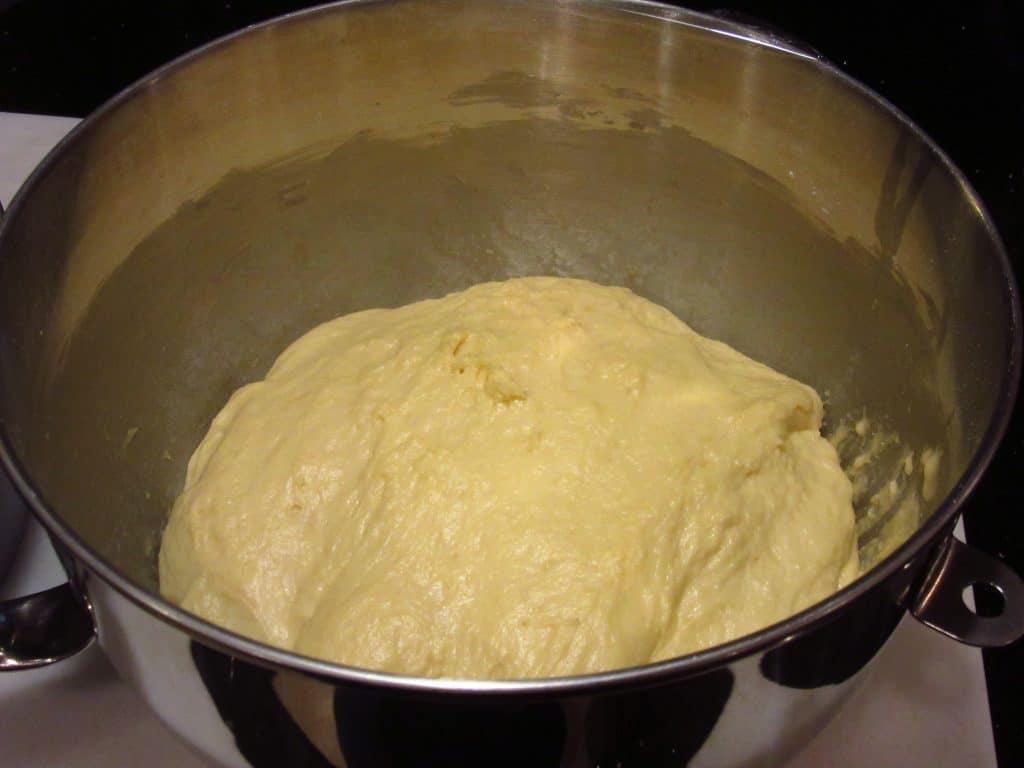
x,y
892,483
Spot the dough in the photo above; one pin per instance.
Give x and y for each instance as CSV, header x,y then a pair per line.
x,y
535,477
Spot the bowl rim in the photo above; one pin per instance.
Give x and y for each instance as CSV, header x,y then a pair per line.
x,y
934,527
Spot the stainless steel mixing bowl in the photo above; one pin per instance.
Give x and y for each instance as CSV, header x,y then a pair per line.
x,y
370,154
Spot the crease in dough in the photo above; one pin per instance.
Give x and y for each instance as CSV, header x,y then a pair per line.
x,y
529,478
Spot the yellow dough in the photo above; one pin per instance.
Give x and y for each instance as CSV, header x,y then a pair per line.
x,y
535,477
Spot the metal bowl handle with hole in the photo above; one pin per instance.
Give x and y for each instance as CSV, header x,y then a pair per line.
x,y
939,603
44,628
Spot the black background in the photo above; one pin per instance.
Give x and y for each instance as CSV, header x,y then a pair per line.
x,y
956,68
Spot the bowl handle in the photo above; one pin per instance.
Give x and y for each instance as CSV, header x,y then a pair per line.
x,y
43,628
940,601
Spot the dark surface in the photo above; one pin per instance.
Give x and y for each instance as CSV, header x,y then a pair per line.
x,y
957,70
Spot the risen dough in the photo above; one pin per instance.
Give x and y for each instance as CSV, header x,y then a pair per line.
x,y
536,477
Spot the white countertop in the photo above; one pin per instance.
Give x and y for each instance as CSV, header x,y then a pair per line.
x,y
923,704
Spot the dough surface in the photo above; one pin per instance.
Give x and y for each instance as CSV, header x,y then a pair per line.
x,y
536,477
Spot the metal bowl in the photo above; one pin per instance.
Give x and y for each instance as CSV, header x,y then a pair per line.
x,y
371,154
